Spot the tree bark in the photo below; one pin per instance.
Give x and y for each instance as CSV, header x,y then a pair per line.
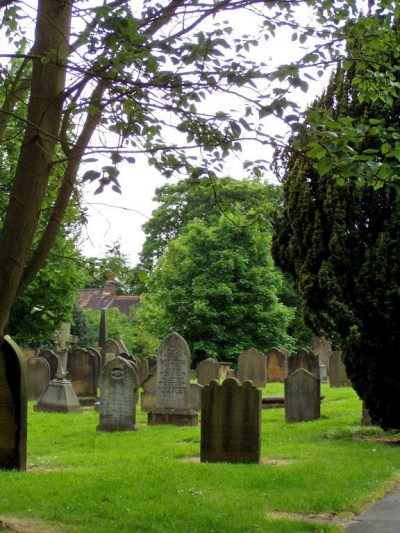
x,y
34,165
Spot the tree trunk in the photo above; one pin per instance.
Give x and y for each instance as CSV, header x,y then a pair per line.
x,y
34,165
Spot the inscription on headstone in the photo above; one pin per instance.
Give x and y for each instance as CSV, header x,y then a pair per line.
x,y
173,384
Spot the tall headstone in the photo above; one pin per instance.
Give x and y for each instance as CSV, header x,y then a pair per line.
x,y
207,370
83,371
252,366
230,422
302,396
276,366
13,407
103,330
173,384
337,371
118,390
38,377
303,359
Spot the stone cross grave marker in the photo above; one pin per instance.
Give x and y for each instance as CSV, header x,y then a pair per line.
x,y
118,391
207,370
252,366
230,422
173,384
13,406
302,396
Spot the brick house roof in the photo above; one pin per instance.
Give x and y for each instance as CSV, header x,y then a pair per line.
x,y
105,298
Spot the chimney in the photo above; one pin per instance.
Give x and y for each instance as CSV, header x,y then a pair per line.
x,y
110,287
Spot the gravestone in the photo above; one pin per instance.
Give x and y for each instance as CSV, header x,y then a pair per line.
x,y
122,346
207,370
13,406
109,350
103,330
230,422
195,396
252,366
303,359
38,377
148,395
52,360
83,371
302,396
143,367
322,347
276,366
337,371
59,396
224,370
119,382
173,384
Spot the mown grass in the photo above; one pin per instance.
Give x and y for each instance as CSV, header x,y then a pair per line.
x,y
150,481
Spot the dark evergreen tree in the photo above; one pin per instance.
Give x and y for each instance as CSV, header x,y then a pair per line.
x,y
341,246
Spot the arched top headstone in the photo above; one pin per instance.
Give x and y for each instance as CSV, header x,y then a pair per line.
x,y
13,406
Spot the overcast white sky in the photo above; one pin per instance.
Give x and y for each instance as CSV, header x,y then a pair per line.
x,y
118,218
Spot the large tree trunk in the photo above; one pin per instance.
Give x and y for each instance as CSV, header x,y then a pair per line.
x,y
34,165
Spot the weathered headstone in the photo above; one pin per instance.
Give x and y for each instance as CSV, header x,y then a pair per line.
x,y
51,358
195,396
337,371
302,396
118,389
148,395
230,422
143,367
173,384
109,350
207,370
38,377
122,346
303,359
224,370
252,366
322,347
276,366
83,368
13,407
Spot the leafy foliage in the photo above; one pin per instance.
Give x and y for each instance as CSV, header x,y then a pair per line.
x,y
217,287
341,246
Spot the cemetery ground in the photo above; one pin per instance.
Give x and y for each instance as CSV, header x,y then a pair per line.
x,y
313,476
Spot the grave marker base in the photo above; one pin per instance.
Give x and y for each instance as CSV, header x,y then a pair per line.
x,y
59,397
174,417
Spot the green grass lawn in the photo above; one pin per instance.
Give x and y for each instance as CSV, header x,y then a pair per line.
x,y
82,480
